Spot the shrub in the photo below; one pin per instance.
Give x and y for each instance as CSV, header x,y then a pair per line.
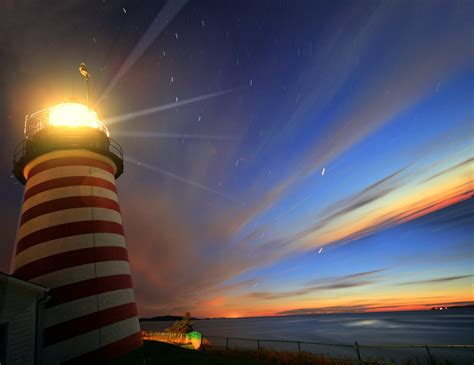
x,y
183,326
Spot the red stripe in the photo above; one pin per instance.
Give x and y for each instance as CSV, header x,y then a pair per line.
x,y
69,259
69,161
68,203
68,230
63,182
109,352
86,288
90,322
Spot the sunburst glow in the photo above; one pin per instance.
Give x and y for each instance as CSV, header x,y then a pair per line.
x,y
75,115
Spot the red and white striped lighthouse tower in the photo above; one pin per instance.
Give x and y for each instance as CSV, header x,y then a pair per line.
x,y
71,239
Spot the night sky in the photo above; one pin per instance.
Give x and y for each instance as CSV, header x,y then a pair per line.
x,y
281,156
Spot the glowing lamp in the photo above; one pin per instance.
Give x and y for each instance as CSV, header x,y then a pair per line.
x,y
75,115
66,126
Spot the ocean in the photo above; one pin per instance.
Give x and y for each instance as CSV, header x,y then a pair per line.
x,y
417,327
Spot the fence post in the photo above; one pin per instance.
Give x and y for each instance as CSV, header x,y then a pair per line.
x,y
227,343
299,354
356,345
430,359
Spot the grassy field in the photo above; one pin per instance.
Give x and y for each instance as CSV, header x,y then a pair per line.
x,y
164,353
161,353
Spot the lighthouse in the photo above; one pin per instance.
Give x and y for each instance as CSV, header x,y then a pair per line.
x,y
71,238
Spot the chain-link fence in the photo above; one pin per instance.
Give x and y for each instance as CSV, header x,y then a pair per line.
x,y
356,353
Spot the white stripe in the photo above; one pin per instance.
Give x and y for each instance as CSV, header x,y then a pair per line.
x,y
65,154
68,216
67,192
66,244
80,273
66,171
90,341
84,306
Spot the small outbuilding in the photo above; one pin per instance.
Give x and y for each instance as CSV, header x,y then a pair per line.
x,y
21,320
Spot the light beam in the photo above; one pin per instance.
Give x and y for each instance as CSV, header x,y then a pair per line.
x,y
178,178
161,21
160,108
162,135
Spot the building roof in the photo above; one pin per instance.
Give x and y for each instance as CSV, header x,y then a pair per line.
x,y
11,279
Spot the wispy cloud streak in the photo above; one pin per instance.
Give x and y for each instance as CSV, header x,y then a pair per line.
x,y
437,280
356,276
328,284
466,162
370,108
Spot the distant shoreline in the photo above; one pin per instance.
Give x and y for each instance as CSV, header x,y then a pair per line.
x,y
168,318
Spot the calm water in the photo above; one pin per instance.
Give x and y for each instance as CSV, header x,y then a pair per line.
x,y
421,327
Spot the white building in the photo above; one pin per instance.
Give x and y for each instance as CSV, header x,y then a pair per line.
x,y
21,320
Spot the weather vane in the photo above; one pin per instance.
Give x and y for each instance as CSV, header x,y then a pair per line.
x,y
85,73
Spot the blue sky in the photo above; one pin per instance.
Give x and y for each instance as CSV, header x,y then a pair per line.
x,y
257,133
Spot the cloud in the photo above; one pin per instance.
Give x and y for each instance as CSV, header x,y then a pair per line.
x,y
466,162
177,262
437,280
325,309
184,244
237,286
232,221
393,304
395,85
356,275
276,248
416,209
453,303
324,284
360,199
228,243
461,251
326,79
